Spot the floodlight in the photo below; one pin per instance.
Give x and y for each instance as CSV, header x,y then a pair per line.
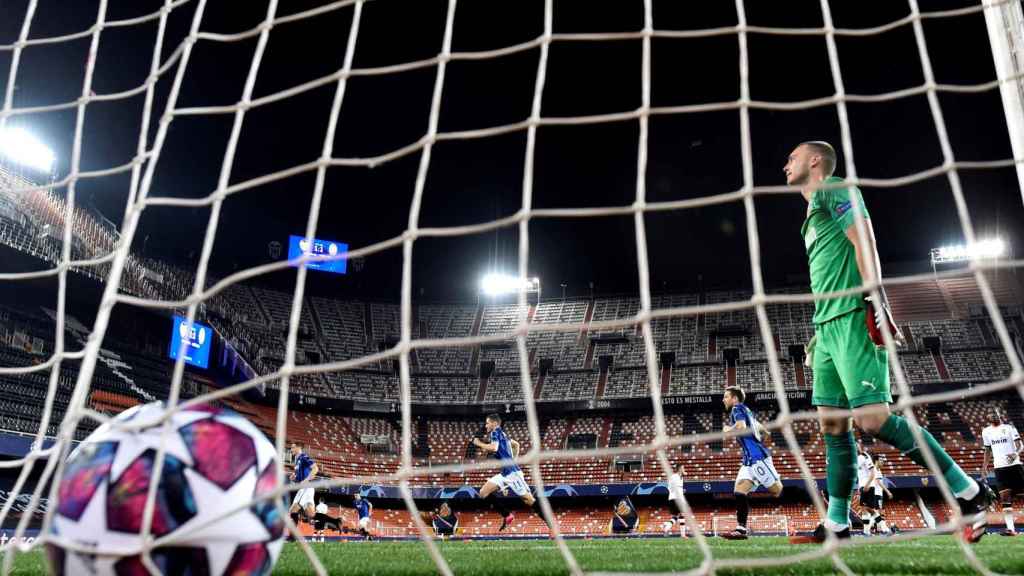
x,y
988,248
495,284
21,147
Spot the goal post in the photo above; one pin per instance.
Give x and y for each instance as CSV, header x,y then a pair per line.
x,y
1005,24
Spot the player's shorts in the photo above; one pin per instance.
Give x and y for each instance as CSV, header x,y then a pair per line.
x,y
879,499
868,499
761,473
364,522
849,370
1011,478
304,497
513,481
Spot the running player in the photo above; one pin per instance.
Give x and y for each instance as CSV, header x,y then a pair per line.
x,y
675,502
757,468
510,477
305,468
1003,443
850,363
364,509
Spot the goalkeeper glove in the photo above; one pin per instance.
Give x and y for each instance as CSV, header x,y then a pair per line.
x,y
877,313
809,351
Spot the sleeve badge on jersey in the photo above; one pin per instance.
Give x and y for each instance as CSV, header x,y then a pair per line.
x,y
843,208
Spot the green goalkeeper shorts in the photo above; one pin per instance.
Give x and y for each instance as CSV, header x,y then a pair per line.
x,y
849,370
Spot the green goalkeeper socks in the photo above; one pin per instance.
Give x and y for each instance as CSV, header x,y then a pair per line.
x,y
841,451
896,432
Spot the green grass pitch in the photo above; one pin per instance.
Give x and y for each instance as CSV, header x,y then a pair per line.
x,y
932,556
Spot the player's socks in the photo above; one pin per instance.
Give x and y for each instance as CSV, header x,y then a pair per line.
x,y
540,512
868,522
841,473
883,527
897,432
742,510
499,507
681,522
1008,518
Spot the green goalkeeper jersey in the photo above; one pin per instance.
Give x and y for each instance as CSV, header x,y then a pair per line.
x,y
830,254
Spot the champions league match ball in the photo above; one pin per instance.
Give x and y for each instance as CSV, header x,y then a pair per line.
x,y
215,461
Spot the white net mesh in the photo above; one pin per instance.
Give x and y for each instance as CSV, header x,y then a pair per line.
x,y
117,261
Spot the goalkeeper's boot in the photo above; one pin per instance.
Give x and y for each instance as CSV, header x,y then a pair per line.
x,y
818,536
506,522
740,533
975,512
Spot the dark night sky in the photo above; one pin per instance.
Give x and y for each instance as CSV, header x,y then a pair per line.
x,y
477,180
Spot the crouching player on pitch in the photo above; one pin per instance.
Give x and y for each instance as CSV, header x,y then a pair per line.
x,y
757,468
624,518
510,477
323,520
443,519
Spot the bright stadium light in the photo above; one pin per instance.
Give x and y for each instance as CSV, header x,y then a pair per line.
x,y
21,147
982,249
495,284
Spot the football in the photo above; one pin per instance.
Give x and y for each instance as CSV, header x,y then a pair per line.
x,y
215,462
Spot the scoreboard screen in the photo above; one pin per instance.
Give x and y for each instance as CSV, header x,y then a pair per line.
x,y
297,246
195,342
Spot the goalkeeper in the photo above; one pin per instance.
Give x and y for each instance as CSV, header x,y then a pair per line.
x,y
850,363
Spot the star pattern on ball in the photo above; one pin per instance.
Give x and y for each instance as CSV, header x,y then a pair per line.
x,y
132,444
212,504
220,452
126,499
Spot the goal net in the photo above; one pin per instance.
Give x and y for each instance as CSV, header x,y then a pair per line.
x,y
128,281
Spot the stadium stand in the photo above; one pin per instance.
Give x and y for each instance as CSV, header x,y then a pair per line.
x,y
951,342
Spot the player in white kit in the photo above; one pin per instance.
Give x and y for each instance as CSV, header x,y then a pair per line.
x,y
881,493
865,477
675,500
1003,443
872,493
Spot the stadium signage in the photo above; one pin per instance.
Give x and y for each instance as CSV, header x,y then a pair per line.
x,y
298,246
656,490
704,399
194,342
772,396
